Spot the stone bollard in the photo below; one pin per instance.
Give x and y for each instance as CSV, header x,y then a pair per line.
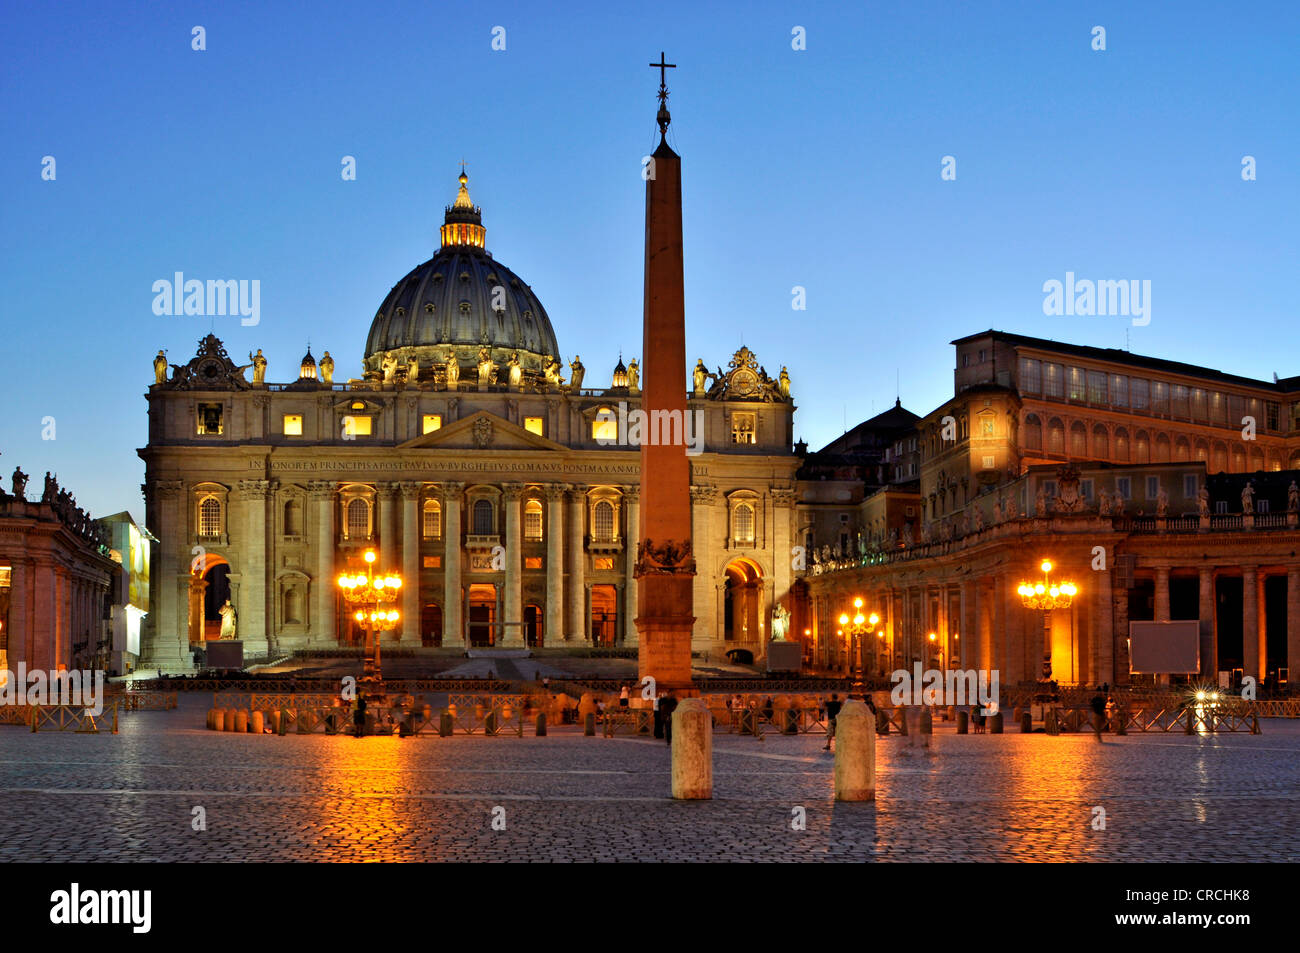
x,y
950,714
882,721
963,721
445,725
275,722
541,724
1017,713
241,721
1026,723
256,722
692,748
218,716
230,719
1254,723
855,753
1190,727
1121,726
589,724
927,722
995,723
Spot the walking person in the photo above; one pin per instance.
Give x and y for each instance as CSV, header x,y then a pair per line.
x,y
666,708
832,712
359,716
622,697
1098,715
659,714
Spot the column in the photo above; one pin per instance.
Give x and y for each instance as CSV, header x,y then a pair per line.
x,y
1162,593
554,626
387,494
411,534
998,649
1292,660
1209,641
1103,629
167,625
1261,623
324,621
512,636
253,624
453,625
576,628
632,504
1252,664
702,539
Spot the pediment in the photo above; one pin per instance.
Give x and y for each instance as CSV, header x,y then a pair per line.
x,y
481,431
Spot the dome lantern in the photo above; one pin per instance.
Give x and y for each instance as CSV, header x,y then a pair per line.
x,y
307,372
463,220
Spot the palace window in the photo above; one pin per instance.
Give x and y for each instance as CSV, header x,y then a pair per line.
x,y
1031,376
209,419
532,562
743,428
1153,488
484,518
431,422
533,520
1124,487
536,425
355,425
1271,415
293,425
1097,388
605,426
210,516
1159,397
1200,408
1076,390
1118,390
432,519
742,523
1053,380
1138,390
602,523
1179,404
431,562
357,519
1190,486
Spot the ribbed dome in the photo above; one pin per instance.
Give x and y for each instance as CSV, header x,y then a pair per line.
x,y
461,297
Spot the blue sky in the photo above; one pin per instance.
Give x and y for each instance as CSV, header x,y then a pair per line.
x,y
817,168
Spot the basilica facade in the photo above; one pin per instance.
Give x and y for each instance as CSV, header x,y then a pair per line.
x,y
499,482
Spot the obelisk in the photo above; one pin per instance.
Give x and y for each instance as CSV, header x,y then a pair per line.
x,y
665,566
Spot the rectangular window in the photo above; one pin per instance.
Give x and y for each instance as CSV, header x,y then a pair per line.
x,y
1138,390
356,426
533,520
982,355
1053,380
1153,488
1118,390
534,425
990,463
431,422
1270,415
1179,405
431,562
965,359
1190,486
209,419
1031,376
535,562
604,428
1261,506
600,562
1200,405
1218,409
1124,487
1220,507
1049,489
1236,410
1097,388
1159,397
743,428
293,425
1085,488
1076,391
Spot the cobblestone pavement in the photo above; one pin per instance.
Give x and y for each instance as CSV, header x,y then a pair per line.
x,y
130,797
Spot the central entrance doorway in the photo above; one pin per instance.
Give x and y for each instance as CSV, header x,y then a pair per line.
x,y
482,614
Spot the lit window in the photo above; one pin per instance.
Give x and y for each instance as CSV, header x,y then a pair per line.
x,y
358,519
432,519
432,562
209,419
603,562
6,576
432,422
293,425
743,428
356,426
532,562
605,426
743,523
533,520
989,463
210,517
534,425
603,521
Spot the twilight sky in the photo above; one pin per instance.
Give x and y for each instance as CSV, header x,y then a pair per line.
x,y
817,168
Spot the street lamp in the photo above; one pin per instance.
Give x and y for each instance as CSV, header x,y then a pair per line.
x,y
857,626
1047,595
373,599
936,647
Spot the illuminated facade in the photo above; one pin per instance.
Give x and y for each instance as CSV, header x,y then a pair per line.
x,y
506,496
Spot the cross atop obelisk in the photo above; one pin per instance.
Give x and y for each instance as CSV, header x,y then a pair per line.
x,y
664,118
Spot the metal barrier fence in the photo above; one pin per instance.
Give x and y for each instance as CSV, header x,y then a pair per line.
x,y
147,700
76,718
308,686
1190,720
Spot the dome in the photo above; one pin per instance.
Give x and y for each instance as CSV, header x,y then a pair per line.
x,y
460,297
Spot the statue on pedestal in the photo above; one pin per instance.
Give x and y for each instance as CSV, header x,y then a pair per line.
x,y
327,368
785,382
1162,502
633,377
1119,503
700,375
780,623
1203,500
1293,498
160,368
577,372
389,367
486,367
1040,501
228,620
516,371
997,509
413,371
20,484
51,489
551,368
453,369
1103,504
1248,499
259,367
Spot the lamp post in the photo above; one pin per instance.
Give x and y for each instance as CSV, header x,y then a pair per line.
x,y
1047,595
856,627
372,597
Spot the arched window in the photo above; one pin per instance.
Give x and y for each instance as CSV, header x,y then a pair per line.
x,y
358,519
743,523
292,606
1100,443
432,519
602,529
1056,436
533,520
292,518
1078,440
484,522
1162,448
1121,445
1033,432
1182,450
1141,448
210,516
604,427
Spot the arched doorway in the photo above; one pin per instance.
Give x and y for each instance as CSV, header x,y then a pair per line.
x,y
742,603
533,626
431,625
482,614
604,614
209,590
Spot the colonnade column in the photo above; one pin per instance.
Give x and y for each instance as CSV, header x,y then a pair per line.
x,y
554,627
253,626
387,494
512,636
1252,663
1103,630
1293,622
324,622
576,629
1162,593
411,602
168,623
1209,641
632,500
453,625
